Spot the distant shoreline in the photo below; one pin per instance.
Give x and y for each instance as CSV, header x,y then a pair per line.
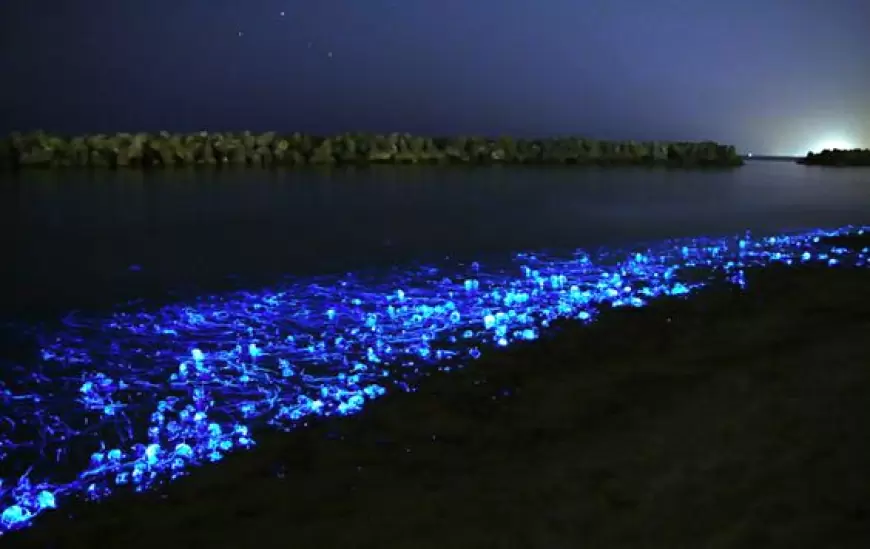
x,y
164,150
837,158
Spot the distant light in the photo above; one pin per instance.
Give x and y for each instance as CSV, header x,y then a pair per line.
x,y
749,155
833,143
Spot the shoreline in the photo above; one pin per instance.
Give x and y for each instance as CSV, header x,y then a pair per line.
x,y
837,158
162,150
722,407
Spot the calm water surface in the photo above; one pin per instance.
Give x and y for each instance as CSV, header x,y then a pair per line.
x,y
81,240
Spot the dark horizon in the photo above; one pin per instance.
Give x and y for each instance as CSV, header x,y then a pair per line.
x,y
771,78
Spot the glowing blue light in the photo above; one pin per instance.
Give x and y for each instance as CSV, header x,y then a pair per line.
x,y
45,500
148,394
13,515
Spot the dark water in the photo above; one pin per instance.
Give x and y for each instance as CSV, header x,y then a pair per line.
x,y
70,239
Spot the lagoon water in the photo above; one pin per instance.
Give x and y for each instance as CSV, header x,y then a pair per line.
x,y
87,240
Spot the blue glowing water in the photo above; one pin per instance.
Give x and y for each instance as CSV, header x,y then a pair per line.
x,y
139,397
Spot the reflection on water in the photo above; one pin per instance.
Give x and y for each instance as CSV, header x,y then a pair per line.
x,y
80,239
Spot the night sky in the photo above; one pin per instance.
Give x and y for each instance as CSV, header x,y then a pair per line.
x,y
770,76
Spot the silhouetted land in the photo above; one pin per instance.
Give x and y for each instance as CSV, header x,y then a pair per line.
x,y
726,420
837,157
164,150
